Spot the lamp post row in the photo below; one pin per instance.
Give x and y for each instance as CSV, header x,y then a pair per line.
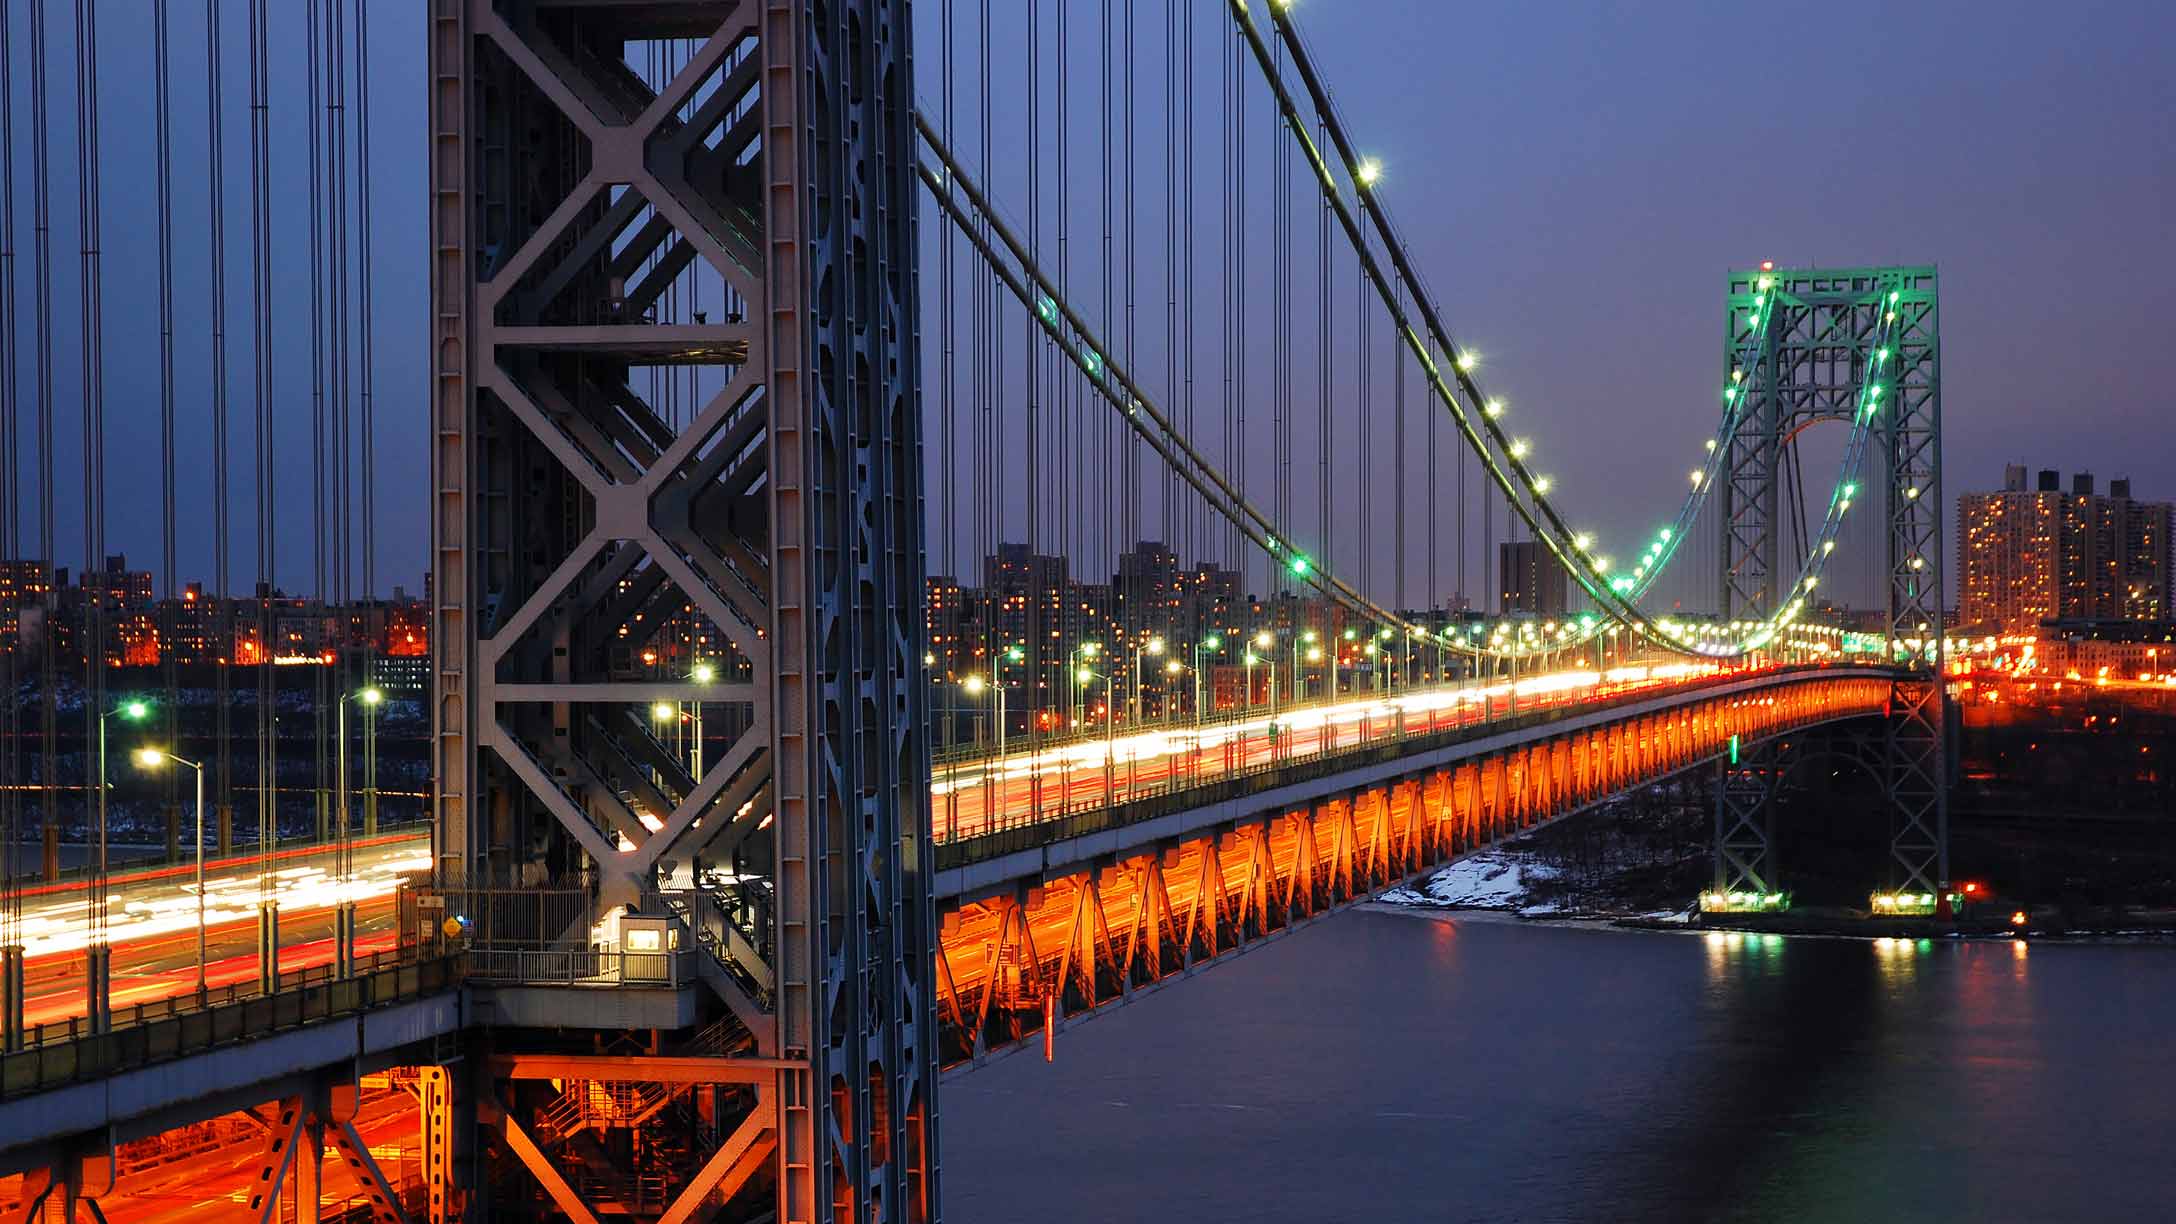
x,y
151,757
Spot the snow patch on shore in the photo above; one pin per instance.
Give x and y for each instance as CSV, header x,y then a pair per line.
x,y
1495,879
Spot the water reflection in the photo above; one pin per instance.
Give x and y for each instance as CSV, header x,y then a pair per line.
x,y
1899,960
1382,1066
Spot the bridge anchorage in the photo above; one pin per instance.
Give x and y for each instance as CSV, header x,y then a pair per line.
x,y
719,303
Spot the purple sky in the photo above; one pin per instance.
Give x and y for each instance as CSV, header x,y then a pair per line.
x,y
1575,179
1577,176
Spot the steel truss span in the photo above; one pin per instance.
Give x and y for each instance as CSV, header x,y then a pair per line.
x,y
1048,951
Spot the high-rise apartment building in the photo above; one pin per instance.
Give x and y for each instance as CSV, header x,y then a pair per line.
x,y
2028,555
1533,581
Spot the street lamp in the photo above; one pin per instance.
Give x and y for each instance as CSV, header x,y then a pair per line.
x,y
1154,646
1262,642
344,912
1213,644
1299,683
98,969
703,673
975,684
152,758
1086,650
1110,700
134,711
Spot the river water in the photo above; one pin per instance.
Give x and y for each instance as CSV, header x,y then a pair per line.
x,y
1398,1066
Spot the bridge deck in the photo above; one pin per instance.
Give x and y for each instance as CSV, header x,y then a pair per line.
x,y
1107,905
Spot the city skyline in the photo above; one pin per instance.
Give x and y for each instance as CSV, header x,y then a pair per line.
x,y
1554,213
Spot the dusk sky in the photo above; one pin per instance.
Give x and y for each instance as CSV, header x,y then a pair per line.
x,y
1575,179
1578,176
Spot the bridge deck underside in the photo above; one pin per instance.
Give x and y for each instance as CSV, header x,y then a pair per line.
x,y
1052,952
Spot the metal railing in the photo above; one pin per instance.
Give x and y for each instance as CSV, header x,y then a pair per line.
x,y
165,1036
75,1028
520,917
730,923
579,964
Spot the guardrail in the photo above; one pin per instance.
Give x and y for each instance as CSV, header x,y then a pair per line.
x,y
163,1037
75,1028
579,965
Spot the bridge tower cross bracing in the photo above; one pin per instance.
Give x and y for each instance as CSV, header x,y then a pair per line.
x,y
1808,364
677,474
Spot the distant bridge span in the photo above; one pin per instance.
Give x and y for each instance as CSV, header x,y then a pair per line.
x,y
1047,924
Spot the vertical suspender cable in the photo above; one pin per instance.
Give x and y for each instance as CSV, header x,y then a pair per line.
x,y
1106,439
1398,559
1115,493
266,442
1052,491
1235,118
1228,312
222,588
340,513
948,417
1184,112
1173,116
1281,343
1364,404
1465,583
1326,362
1435,542
169,709
313,123
1185,115
41,200
11,491
988,495
94,434
1039,647
367,432
1135,493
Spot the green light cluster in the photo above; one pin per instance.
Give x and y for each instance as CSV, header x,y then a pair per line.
x,y
1744,902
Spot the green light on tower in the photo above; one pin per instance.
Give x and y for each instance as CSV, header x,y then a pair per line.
x,y
1733,749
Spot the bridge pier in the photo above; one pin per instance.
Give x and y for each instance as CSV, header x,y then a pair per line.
x,y
1746,782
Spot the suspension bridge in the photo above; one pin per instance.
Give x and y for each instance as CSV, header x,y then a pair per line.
x,y
874,625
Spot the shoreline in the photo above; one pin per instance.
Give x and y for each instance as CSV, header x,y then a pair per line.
x,y
1867,930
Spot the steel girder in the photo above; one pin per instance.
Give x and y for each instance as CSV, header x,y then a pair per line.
x,y
583,195
1808,364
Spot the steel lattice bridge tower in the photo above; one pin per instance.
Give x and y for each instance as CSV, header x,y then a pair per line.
x,y
779,508
1829,334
